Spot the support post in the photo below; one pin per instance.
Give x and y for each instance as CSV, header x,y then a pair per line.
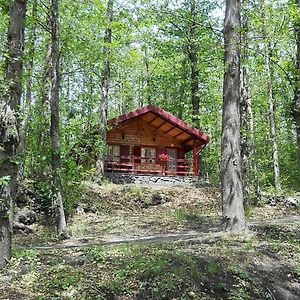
x,y
133,163
195,157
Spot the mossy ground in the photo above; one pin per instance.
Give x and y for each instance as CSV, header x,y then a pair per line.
x,y
261,264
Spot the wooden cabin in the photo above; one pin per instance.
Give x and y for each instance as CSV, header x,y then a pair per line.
x,y
150,140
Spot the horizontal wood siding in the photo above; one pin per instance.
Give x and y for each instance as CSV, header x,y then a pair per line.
x,y
138,132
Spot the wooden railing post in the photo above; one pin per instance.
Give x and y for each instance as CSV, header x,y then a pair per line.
x,y
195,157
133,164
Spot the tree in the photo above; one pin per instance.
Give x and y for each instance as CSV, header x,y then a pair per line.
x,y
28,95
192,51
273,138
9,124
232,190
248,148
55,119
296,104
105,85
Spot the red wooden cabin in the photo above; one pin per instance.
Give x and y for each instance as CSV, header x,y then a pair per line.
x,y
150,140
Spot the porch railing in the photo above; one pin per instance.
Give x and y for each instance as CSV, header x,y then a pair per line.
x,y
136,165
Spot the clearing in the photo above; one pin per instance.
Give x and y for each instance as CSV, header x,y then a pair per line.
x,y
133,242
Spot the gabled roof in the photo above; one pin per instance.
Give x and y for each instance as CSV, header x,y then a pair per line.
x,y
166,122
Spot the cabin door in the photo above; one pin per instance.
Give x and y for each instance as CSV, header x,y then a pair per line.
x,y
172,160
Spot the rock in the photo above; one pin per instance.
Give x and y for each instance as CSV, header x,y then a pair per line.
x,y
140,179
158,199
274,200
21,228
144,201
292,201
25,216
85,208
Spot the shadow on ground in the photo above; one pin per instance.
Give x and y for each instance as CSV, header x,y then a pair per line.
x,y
263,265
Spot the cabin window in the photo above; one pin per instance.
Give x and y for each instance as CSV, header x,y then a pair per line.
x,y
114,153
148,155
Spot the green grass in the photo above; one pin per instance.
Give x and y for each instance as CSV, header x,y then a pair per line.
x,y
226,267
216,269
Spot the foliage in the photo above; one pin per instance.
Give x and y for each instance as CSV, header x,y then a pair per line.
x,y
150,65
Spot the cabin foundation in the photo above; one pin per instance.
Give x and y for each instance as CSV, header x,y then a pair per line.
x,y
157,180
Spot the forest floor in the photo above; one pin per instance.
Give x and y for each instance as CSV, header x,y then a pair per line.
x,y
131,242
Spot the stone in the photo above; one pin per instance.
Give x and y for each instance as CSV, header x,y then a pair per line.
x,y
141,179
20,228
25,216
292,201
274,200
158,199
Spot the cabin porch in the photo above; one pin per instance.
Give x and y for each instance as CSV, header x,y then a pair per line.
x,y
127,164
151,161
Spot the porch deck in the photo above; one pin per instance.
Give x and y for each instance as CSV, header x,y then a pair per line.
x,y
136,165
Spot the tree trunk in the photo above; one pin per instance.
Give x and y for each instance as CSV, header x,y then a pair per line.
x,y
105,87
28,95
148,74
232,189
253,149
193,58
43,110
269,73
54,126
248,149
245,147
244,110
9,127
296,105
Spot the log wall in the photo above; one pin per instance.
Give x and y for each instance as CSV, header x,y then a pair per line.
x,y
138,132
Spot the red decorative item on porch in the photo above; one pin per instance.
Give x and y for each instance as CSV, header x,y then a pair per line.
x,y
163,157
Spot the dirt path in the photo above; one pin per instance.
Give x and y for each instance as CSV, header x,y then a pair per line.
x,y
216,231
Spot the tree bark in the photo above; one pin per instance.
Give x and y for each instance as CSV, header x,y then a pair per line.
x,y
28,94
148,75
248,149
9,124
43,106
105,87
245,147
193,58
253,149
296,104
54,126
275,160
232,189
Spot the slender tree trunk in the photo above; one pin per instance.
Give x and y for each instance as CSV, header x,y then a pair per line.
x,y
253,149
193,58
105,87
148,84
296,106
232,189
43,110
28,95
248,150
245,147
275,160
9,127
54,126
244,109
